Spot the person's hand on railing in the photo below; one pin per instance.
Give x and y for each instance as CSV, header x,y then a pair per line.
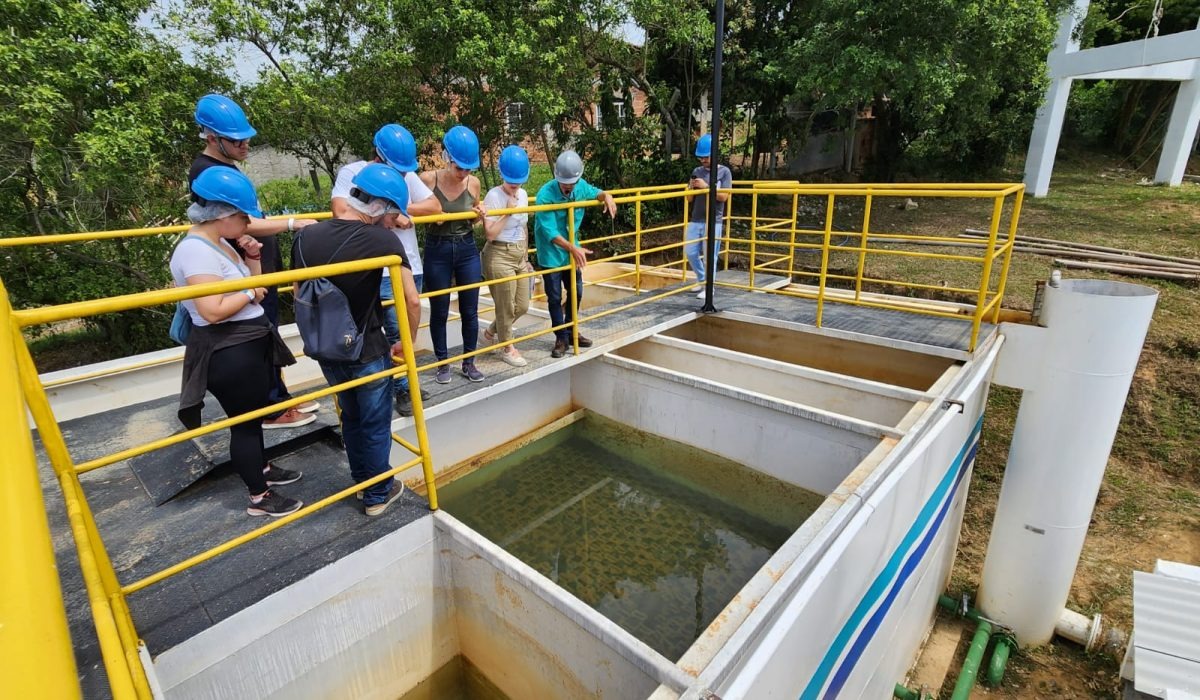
x,y
580,254
480,209
403,221
610,205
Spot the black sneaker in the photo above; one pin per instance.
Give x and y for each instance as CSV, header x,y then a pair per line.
x,y
404,404
277,476
378,508
560,349
274,505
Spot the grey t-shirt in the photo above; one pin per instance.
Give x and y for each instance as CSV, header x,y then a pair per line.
x,y
700,202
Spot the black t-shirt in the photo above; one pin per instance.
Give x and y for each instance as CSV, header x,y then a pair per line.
x,y
272,257
357,241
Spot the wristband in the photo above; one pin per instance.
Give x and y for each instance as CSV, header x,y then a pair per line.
x,y
291,224
249,294
252,257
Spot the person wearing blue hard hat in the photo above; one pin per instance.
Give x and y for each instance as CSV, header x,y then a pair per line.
x,y
451,256
363,229
226,133
557,246
506,252
232,350
697,232
394,146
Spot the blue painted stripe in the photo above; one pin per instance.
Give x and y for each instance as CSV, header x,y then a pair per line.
x,y
932,511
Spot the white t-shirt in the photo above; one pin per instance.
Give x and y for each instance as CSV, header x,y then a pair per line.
x,y
196,257
417,192
514,230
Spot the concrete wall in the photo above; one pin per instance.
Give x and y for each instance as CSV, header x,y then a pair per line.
x,y
379,621
371,625
850,618
765,435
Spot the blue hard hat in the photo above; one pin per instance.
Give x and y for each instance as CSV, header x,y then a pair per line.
x,y
704,146
228,185
514,165
224,117
396,145
463,146
385,182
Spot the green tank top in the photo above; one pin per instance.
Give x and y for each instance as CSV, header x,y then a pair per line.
x,y
461,203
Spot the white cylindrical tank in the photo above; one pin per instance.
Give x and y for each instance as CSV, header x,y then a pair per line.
x,y
1077,378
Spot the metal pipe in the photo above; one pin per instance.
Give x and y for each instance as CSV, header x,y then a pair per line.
x,y
902,693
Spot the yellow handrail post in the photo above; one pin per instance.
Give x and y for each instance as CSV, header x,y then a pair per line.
x,y
862,253
824,259
114,629
727,232
414,385
637,243
685,264
571,283
1012,237
986,276
34,638
792,239
753,235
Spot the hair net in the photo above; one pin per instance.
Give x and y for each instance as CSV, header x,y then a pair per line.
x,y
375,208
209,211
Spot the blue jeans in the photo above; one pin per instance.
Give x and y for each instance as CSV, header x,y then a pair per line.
x,y
366,422
696,231
391,325
556,291
448,262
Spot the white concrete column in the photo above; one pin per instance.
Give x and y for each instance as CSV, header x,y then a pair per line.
x,y
1181,132
1047,126
1043,144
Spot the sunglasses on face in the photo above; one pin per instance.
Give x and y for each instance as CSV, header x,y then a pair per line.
x,y
239,143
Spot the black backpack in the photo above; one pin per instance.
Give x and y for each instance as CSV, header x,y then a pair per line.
x,y
323,315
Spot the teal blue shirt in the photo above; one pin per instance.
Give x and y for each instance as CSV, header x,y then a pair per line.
x,y
548,225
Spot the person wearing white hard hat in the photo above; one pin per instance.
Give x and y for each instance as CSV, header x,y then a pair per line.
x,y
556,246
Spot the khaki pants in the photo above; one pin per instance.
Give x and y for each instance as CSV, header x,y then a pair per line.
x,y
511,298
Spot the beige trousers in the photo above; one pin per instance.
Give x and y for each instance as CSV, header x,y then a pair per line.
x,y
511,298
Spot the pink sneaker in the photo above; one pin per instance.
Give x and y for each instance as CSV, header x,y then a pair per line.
x,y
291,418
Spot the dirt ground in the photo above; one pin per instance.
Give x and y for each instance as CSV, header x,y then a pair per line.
x,y
1148,507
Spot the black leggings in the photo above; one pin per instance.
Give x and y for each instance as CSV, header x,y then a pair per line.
x,y
240,377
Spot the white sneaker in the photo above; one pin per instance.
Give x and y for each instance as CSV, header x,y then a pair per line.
x,y
512,357
700,294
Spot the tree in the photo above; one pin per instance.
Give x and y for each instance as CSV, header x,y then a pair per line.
x,y
949,82
95,132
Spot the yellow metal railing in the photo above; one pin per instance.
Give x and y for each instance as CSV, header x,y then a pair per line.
x,y
769,239
119,643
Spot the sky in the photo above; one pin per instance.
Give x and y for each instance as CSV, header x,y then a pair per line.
x,y
248,61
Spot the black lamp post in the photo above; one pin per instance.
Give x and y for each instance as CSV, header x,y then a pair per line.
x,y
710,260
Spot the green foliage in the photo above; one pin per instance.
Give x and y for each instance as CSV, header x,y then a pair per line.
x,y
1090,110
293,195
95,132
951,82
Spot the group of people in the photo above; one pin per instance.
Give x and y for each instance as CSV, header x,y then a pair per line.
x,y
235,351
